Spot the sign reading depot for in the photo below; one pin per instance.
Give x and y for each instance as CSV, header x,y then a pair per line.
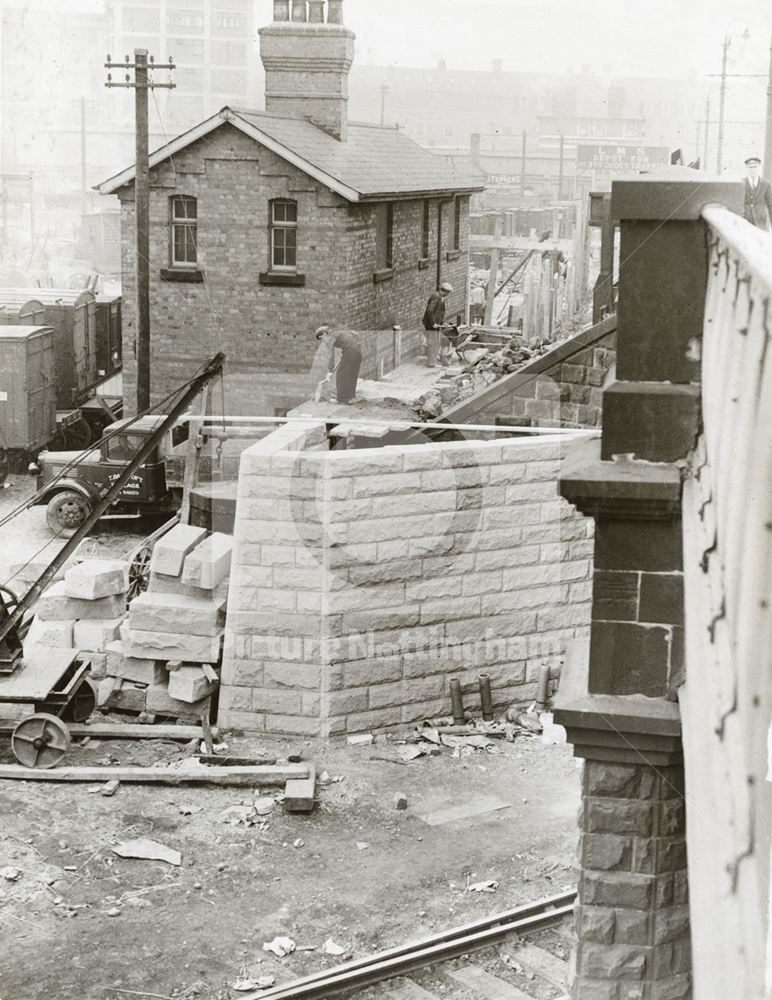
x,y
607,158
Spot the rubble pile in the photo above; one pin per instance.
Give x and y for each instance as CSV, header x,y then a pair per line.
x,y
158,658
506,360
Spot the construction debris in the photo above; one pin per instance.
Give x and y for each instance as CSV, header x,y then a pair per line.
x,y
280,946
400,800
147,850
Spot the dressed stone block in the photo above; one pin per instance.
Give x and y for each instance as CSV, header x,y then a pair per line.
x,y
95,578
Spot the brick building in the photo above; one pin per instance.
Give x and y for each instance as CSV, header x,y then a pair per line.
x,y
264,225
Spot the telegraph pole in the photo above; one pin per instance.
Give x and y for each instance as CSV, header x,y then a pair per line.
x,y
522,162
384,91
141,85
560,168
707,132
768,136
722,103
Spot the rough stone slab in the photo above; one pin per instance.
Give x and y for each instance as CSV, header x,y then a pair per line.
x,y
56,634
127,697
55,605
131,668
160,702
170,551
170,645
95,636
166,612
160,584
210,562
98,666
95,578
189,684
16,711
299,793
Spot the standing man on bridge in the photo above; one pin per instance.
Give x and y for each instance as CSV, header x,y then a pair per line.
x,y
758,195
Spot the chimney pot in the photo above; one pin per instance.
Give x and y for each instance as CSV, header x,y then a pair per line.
x,y
316,11
281,10
299,11
335,12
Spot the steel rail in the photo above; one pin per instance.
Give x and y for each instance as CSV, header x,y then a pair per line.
x,y
437,948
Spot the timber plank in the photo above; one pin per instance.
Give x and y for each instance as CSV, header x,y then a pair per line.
x,y
543,964
406,989
133,731
259,775
473,978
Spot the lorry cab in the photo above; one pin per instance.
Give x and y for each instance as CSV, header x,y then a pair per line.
x,y
72,483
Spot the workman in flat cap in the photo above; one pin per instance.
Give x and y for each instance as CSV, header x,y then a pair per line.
x,y
758,195
434,317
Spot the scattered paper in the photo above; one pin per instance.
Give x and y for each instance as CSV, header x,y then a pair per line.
x,y
280,946
410,753
488,886
330,948
360,739
147,850
362,845
261,983
236,815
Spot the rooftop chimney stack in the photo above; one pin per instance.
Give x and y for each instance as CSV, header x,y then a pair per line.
x,y
307,58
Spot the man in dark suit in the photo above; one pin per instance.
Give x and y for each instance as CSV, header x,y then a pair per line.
x,y
758,195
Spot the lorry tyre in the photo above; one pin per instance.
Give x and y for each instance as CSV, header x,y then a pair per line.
x,y
66,511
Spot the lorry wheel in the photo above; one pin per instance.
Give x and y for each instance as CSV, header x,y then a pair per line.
x,y
66,512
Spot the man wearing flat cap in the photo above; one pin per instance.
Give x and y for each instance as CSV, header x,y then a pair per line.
x,y
758,195
434,317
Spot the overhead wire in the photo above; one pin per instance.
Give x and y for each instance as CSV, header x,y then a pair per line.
x,y
30,501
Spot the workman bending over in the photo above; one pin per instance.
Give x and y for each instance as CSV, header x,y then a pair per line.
x,y
346,367
434,317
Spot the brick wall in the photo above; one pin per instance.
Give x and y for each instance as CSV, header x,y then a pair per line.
x,y
364,580
267,332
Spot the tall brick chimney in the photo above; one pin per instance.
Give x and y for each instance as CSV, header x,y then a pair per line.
x,y
307,53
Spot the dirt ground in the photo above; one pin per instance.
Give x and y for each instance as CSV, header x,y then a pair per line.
x,y
77,921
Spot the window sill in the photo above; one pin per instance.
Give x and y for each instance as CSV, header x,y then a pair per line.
x,y
423,263
189,274
285,278
385,274
453,255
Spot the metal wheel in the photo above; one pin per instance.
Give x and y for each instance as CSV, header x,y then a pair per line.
x,y
139,572
82,703
8,602
66,512
40,740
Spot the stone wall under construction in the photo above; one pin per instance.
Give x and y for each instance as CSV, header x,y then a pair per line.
x,y
364,580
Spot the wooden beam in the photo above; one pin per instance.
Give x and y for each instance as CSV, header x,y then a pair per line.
x,y
518,243
258,775
119,731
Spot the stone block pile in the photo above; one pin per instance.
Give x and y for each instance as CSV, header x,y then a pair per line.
x,y
158,657
163,661
84,610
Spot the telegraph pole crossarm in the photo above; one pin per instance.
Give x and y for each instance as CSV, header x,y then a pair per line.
x,y
141,84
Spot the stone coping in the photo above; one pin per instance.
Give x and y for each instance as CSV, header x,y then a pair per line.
x,y
625,728
622,488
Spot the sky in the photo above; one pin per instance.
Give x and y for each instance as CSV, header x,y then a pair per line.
x,y
631,37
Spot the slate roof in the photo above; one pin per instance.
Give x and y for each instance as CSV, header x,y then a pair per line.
x,y
373,162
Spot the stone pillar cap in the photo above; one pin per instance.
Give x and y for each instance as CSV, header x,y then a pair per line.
x,y
673,194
